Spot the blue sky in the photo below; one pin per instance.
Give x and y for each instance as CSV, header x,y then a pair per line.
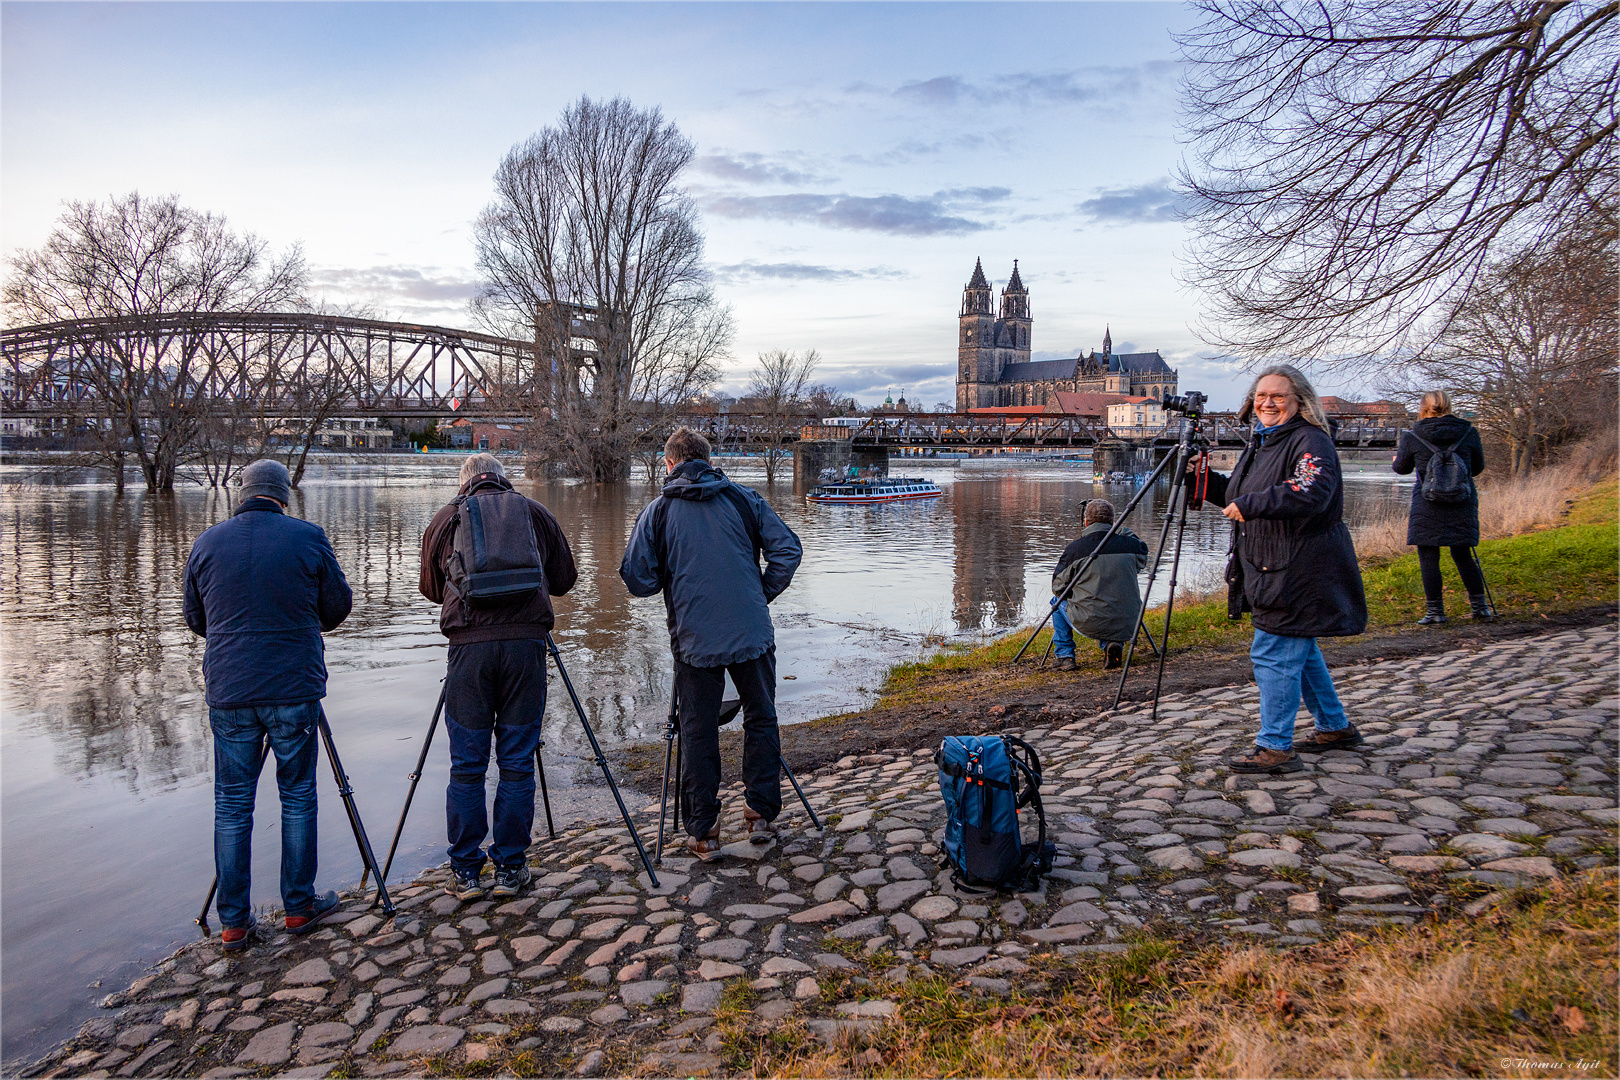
x,y
853,159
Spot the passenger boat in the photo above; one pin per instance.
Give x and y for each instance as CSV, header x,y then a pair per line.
x,y
877,490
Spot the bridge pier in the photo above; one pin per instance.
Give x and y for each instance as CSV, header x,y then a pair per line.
x,y
810,456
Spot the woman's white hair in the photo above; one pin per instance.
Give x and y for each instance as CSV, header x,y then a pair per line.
x,y
1310,407
478,464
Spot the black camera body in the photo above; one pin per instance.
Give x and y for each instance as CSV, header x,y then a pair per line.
x,y
1191,403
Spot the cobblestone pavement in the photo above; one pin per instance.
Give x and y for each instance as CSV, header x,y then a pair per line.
x,y
1493,766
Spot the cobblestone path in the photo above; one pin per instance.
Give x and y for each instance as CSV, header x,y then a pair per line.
x,y
1494,766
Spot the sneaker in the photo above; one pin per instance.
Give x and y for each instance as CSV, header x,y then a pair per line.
x,y
1116,656
760,831
322,907
706,848
1317,741
233,938
1266,761
467,885
1063,663
511,880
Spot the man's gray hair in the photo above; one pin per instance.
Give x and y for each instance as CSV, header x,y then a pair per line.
x,y
1309,406
1099,510
478,464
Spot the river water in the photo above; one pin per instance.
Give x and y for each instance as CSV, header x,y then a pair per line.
x,y
105,754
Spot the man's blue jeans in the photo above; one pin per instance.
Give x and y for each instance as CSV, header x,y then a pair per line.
x,y
494,690
1063,632
239,736
1287,669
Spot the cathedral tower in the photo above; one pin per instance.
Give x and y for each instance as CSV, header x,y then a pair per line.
x,y
977,369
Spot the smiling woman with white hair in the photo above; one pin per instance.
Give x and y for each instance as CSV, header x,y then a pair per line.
x,y
1292,566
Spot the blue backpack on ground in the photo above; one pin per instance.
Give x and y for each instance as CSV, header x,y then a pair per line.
x,y
986,780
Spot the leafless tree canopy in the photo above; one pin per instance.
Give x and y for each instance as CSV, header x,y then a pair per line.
x,y
1356,163
148,256
591,247
1531,350
780,389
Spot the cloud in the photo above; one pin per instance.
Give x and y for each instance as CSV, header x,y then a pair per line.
x,y
1079,86
935,215
404,282
748,168
1145,203
737,273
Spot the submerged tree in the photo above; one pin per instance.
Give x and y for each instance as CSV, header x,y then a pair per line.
x,y
780,388
134,256
1356,164
591,248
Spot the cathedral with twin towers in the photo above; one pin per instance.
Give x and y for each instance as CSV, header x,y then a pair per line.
x,y
994,369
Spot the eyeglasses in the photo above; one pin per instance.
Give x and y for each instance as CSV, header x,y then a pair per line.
x,y
1280,399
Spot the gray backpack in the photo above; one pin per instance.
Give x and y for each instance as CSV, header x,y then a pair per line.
x,y
494,559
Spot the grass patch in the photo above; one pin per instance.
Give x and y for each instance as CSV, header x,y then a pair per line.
x,y
1530,983
1568,566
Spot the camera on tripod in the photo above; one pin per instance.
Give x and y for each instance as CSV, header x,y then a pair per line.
x,y
1191,403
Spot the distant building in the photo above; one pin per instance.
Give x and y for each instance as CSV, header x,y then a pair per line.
x,y
994,369
1137,416
1390,411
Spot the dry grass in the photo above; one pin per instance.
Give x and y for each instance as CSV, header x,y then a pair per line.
x,y
1530,984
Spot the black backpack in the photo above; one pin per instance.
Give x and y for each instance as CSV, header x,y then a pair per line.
x,y
494,557
1445,477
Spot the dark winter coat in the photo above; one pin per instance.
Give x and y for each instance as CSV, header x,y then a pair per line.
x,y
1437,524
1294,565
1105,602
533,618
261,587
707,565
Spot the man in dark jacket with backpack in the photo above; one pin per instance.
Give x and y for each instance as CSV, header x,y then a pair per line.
x,y
261,587
493,558
699,543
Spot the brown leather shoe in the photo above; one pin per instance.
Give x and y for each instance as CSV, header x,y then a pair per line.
x,y
1317,741
1266,761
760,831
706,847
1063,663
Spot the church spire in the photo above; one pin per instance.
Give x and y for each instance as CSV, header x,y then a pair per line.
x,y
978,280
1108,341
976,294
1017,283
1015,298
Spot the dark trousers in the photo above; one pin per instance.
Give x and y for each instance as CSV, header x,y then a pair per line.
x,y
699,690
493,690
1467,569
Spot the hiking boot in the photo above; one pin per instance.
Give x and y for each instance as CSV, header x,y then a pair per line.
x,y
1063,663
1262,760
233,938
706,847
1481,607
1434,613
323,906
467,885
1116,656
1344,739
511,880
760,831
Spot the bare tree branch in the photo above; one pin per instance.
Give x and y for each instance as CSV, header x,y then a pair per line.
x,y
779,388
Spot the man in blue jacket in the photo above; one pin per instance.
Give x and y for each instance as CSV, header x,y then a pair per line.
x,y
699,543
261,587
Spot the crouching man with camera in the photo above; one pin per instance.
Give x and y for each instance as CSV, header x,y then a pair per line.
x,y
699,543
493,558
1105,600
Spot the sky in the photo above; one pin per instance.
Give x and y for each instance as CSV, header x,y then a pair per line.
x,y
853,160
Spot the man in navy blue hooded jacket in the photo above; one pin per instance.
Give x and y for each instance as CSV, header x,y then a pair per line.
x,y
700,543
262,587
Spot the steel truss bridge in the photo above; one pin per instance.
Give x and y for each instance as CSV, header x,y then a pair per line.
x,y
366,367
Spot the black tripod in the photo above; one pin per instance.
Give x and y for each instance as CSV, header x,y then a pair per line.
x,y
545,797
1188,490
672,750
346,793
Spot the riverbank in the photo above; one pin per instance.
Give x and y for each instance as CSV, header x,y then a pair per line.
x,y
1198,921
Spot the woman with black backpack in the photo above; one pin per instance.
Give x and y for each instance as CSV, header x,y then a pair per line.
x,y
1446,453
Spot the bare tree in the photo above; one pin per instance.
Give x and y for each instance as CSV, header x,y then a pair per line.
x,y
139,256
1357,163
778,387
1531,349
591,247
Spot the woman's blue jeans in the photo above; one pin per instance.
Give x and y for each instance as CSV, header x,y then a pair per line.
x,y
239,736
1287,669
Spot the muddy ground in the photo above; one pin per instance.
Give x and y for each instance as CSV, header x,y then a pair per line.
x,y
980,702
